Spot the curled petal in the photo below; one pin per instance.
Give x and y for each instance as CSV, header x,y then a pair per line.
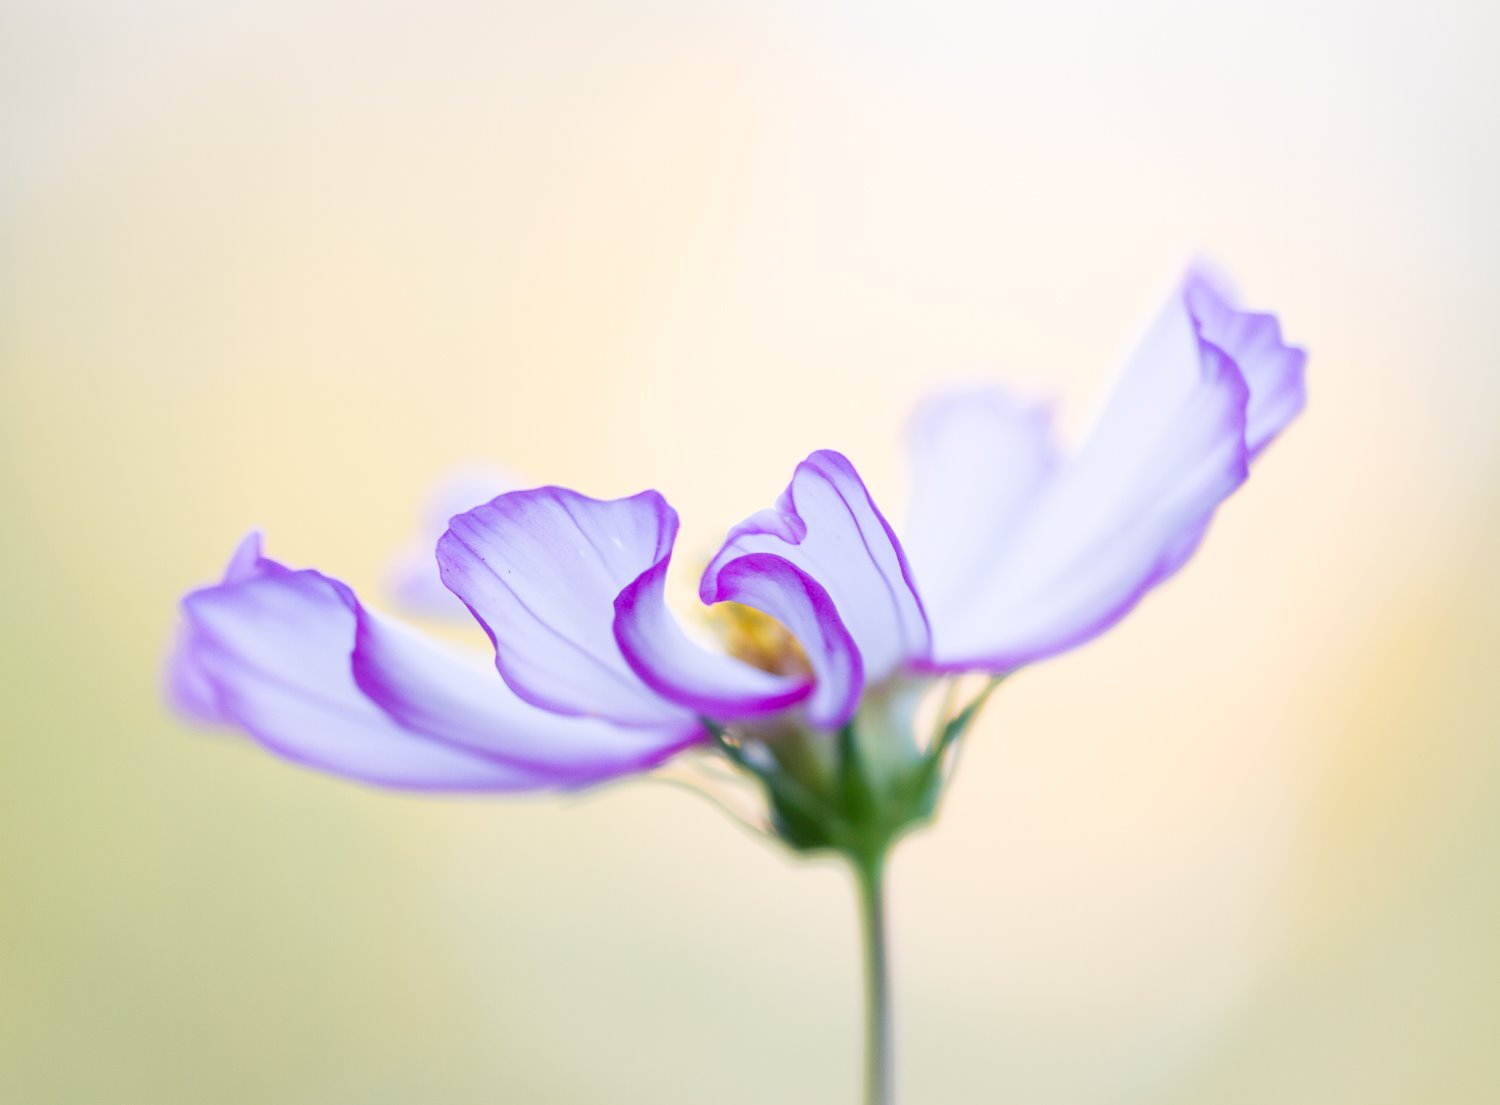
x,y
827,527
540,570
776,586
276,650
1022,556
707,682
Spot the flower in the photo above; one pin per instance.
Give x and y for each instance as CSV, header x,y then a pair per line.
x,y
1017,549
831,627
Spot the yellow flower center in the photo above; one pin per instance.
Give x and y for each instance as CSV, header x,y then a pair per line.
x,y
758,639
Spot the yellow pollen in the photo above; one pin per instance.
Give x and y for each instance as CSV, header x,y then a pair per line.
x,y
758,639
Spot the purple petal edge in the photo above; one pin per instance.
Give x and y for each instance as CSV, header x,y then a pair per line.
x,y
231,647
540,571
776,586
714,685
866,575
1260,383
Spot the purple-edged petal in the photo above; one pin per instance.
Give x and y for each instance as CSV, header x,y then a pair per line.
x,y
276,650
295,660
711,683
440,692
774,585
413,578
1046,555
540,570
826,525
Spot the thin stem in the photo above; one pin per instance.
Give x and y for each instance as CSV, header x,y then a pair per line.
x,y
869,872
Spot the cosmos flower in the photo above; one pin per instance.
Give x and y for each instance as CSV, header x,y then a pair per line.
x,y
831,628
1016,550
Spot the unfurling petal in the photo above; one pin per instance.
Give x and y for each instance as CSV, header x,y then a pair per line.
x,y
413,581
827,527
277,650
1020,556
540,570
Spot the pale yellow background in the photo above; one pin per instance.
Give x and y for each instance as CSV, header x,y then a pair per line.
x,y
284,264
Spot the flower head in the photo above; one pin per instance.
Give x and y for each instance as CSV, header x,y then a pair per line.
x,y
1016,550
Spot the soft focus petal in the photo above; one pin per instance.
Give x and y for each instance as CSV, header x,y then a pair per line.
x,y
540,571
826,525
1273,370
707,682
190,691
188,688
413,580
980,439
1046,555
245,561
275,648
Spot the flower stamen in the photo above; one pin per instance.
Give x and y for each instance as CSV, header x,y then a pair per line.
x,y
758,639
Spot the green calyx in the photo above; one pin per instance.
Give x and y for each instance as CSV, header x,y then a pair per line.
x,y
854,792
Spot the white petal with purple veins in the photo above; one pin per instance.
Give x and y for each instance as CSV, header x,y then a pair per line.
x,y
827,526
276,650
1022,555
708,682
540,570
293,658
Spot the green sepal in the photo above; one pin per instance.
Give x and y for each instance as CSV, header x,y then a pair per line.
x,y
857,796
849,809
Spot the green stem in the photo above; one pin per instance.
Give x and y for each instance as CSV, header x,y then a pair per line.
x,y
869,872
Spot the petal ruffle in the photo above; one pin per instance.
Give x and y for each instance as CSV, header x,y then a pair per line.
x,y
1274,371
1020,556
827,527
288,656
540,570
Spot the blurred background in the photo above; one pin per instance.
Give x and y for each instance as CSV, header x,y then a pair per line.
x,y
285,264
